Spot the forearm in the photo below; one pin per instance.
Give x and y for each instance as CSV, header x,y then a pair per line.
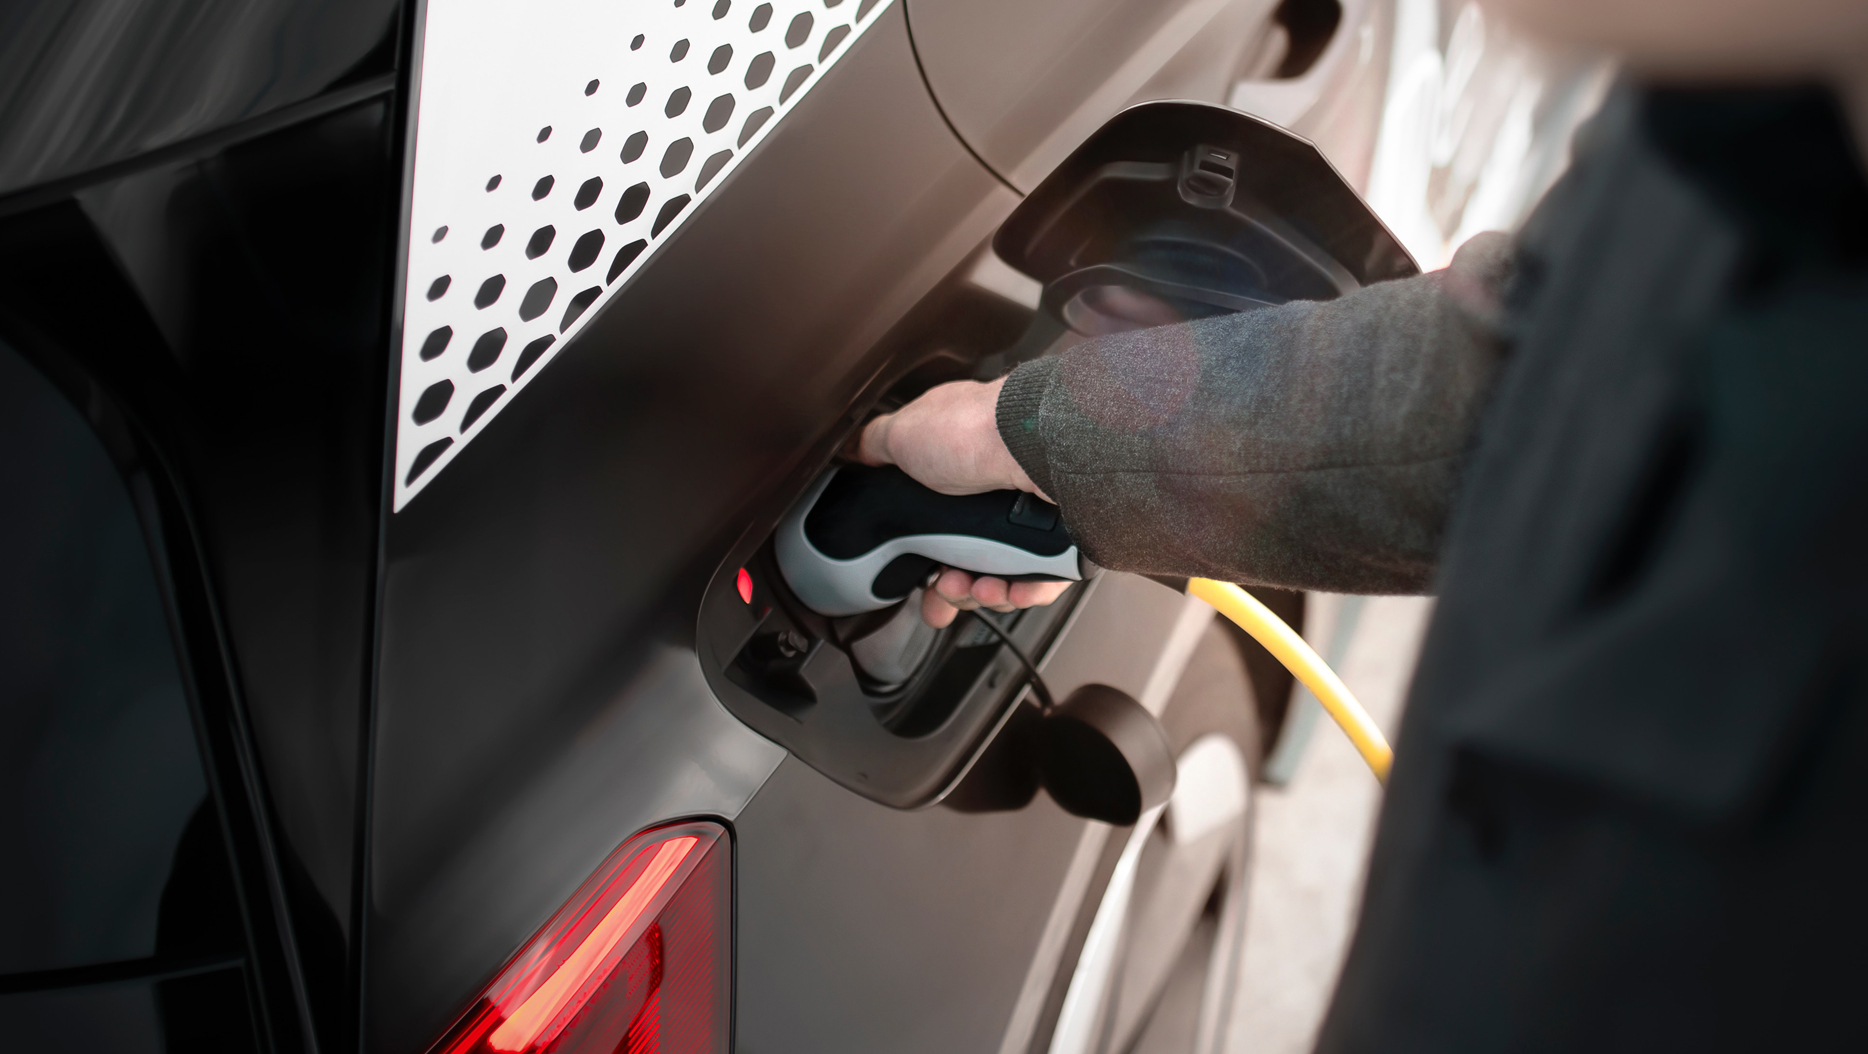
x,y
1313,445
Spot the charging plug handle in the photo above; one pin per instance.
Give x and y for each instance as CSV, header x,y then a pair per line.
x,y
863,538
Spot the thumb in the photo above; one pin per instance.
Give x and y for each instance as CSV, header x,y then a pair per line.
x,y
870,445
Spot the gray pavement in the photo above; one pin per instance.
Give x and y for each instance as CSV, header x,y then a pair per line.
x,y
1312,838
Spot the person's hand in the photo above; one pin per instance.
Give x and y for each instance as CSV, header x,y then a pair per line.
x,y
956,591
948,439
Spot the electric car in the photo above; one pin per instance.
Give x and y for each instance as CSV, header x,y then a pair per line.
x,y
399,403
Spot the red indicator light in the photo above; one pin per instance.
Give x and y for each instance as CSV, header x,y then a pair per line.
x,y
744,581
635,963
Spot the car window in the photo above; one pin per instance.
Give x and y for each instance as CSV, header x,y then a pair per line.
x,y
195,1013
114,851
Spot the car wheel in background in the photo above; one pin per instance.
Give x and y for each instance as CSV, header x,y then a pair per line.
x,y
1160,949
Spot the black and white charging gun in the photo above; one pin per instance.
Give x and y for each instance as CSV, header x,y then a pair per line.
x,y
864,538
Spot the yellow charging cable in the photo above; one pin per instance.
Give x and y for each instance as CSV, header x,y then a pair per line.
x,y
1283,641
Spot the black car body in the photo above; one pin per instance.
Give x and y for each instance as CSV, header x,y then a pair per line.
x,y
393,401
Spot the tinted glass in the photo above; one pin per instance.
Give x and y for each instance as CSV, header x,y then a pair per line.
x,y
198,1013
99,772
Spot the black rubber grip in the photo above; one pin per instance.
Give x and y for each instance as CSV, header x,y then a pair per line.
x,y
864,507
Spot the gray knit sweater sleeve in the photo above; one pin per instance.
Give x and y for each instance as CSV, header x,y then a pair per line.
x,y
1316,445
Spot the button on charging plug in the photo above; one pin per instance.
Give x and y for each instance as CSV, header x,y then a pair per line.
x,y
1034,512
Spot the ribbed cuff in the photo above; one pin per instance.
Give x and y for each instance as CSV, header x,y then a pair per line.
x,y
1017,418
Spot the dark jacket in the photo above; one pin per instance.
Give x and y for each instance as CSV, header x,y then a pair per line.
x,y
1629,809
1312,445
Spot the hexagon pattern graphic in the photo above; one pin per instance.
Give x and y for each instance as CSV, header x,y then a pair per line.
x,y
558,143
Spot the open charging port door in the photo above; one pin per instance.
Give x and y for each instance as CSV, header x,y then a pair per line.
x,y
1171,212
1176,211
878,701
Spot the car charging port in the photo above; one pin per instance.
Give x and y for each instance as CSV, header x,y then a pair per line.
x,y
890,646
889,660
880,701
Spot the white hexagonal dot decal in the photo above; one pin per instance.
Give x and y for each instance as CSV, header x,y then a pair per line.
x,y
557,144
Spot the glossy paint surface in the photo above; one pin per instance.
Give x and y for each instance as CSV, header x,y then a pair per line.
x,y
233,305
194,1011
85,83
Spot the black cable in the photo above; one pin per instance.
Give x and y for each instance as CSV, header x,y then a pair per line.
x,y
1032,676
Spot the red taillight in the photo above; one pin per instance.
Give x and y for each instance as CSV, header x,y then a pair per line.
x,y
744,582
638,962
